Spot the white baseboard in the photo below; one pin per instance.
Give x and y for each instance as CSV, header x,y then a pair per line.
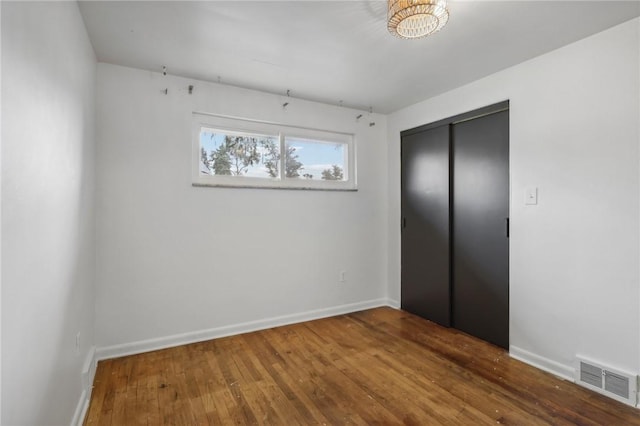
x,y
132,348
86,377
565,372
81,410
393,303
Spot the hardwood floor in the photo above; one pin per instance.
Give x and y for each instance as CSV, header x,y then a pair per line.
x,y
380,366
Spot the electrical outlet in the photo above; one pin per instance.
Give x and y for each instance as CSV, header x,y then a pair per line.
x,y
78,343
343,276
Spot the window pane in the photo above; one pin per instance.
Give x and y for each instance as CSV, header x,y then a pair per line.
x,y
239,154
315,160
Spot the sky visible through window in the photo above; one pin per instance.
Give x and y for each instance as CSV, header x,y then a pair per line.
x,y
315,157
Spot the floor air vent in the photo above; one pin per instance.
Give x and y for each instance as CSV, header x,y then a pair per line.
x,y
591,374
607,381
616,384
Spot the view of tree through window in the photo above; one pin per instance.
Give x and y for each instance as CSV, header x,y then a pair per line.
x,y
315,160
236,154
252,155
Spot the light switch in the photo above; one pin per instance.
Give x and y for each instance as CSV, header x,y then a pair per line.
x,y
531,196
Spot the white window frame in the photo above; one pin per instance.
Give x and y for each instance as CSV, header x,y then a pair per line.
x,y
281,131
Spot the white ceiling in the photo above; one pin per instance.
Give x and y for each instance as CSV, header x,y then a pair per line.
x,y
332,51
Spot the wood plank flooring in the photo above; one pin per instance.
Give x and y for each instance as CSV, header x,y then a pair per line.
x,y
380,366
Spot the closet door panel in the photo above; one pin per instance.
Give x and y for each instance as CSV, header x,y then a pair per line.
x,y
480,255
425,227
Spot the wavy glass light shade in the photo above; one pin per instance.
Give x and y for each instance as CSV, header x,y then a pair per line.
x,y
416,18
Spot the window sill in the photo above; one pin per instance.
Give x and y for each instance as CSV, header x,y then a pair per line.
x,y
295,188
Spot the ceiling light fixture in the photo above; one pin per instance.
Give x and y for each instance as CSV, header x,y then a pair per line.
x,y
416,18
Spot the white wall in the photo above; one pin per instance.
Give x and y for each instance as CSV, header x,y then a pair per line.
x,y
574,133
48,81
176,259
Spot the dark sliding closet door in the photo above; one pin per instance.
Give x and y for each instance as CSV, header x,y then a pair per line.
x,y
425,234
480,278
455,208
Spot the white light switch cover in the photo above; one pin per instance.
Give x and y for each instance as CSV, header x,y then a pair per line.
x,y
531,196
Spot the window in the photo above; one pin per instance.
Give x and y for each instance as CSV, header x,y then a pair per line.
x,y
245,153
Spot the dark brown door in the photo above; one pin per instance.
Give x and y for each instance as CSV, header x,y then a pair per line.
x,y
455,211
480,211
425,227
